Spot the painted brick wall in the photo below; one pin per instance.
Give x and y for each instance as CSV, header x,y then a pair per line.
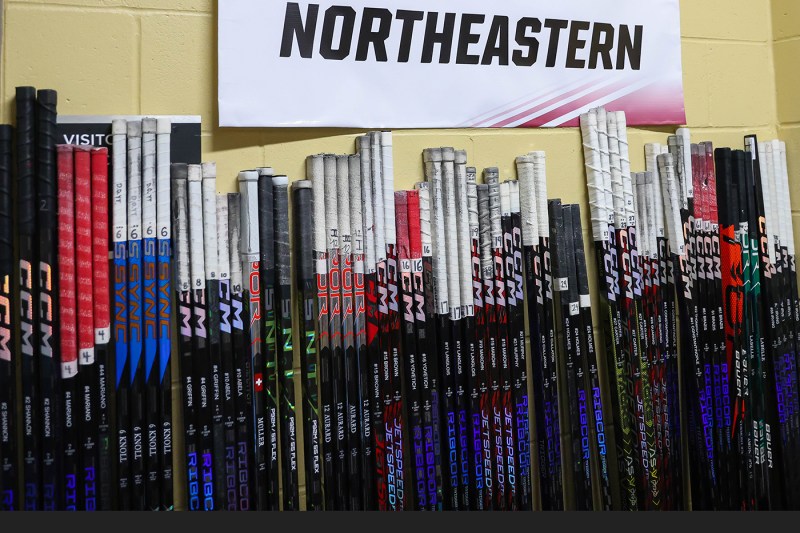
x,y
159,57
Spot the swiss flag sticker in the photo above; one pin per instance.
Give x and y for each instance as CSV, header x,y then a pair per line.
x,y
259,383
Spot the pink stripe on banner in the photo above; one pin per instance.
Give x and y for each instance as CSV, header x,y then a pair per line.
x,y
543,105
573,105
658,104
557,95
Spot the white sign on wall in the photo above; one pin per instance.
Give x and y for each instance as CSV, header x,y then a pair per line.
x,y
447,63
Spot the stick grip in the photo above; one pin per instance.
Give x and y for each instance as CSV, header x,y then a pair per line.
x,y
26,187
46,159
180,223
6,242
101,284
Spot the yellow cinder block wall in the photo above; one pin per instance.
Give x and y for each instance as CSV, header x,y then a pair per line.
x,y
159,57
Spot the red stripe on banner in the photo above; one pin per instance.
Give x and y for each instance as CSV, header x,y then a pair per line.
x,y
574,105
543,105
656,104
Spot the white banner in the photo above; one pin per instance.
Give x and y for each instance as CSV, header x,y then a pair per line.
x,y
447,63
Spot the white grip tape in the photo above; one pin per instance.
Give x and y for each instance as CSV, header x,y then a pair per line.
x,y
594,177
196,227
387,169
368,217
527,200
605,161
773,167
642,214
625,165
163,161
484,222
315,171
234,241
505,199
343,202
331,204
770,221
223,250
464,241
356,218
653,201
248,230
451,234
149,178
134,181
182,227
685,145
787,211
540,183
424,190
378,199
119,157
210,220
493,180
658,199
669,186
617,190
472,207
438,234
769,178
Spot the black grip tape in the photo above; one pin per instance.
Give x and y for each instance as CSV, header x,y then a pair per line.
x,y
303,238
26,187
6,249
46,159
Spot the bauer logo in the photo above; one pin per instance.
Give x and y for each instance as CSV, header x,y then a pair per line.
x,y
511,54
